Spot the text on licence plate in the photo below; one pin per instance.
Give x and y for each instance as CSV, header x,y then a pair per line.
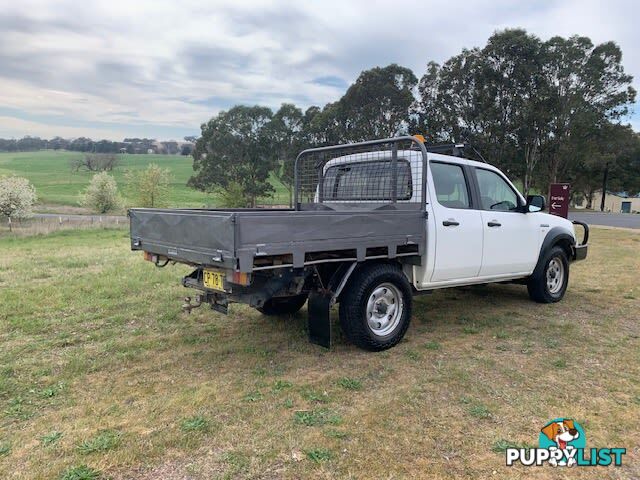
x,y
212,279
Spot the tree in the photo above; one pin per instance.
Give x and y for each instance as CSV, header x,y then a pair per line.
x,y
95,162
186,150
587,87
58,143
234,147
81,144
612,152
628,173
17,197
323,126
375,106
30,144
101,195
170,148
149,187
232,196
530,106
285,136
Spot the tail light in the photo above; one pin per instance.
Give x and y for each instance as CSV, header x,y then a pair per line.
x,y
150,257
239,278
155,259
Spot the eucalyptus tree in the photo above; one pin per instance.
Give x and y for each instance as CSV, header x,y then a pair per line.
x,y
234,151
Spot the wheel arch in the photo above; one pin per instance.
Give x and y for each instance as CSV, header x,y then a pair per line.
x,y
557,236
338,275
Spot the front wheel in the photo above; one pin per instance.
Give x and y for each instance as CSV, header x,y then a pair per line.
x,y
283,305
375,310
551,283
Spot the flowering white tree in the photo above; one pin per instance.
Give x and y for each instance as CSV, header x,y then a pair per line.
x,y
101,195
17,197
149,187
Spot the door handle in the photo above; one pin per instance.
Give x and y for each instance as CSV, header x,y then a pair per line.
x,y
493,223
450,223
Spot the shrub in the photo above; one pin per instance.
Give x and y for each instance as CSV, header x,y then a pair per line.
x,y
101,195
149,187
17,197
232,196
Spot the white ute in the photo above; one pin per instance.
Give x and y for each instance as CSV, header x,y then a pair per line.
x,y
373,224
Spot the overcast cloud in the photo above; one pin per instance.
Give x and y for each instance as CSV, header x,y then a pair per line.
x,y
159,69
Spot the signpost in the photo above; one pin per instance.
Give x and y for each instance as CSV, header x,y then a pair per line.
x,y
559,199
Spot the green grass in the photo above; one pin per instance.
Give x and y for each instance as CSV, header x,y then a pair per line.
x,y
318,417
51,438
102,442
479,411
81,472
194,424
56,184
350,383
100,367
432,345
319,455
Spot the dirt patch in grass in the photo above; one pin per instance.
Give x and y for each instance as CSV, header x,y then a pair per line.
x,y
101,372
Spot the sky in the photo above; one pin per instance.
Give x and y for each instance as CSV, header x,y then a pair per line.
x,y
159,69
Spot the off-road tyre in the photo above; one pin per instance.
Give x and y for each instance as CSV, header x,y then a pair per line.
x,y
355,299
544,287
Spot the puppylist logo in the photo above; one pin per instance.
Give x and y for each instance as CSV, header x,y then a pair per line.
x,y
562,443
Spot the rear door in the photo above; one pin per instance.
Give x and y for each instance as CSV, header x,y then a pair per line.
x,y
511,239
458,245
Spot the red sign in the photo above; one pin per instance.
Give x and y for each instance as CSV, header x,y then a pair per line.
x,y
559,199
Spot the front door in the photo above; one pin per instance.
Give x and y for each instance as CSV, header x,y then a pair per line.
x,y
458,245
511,239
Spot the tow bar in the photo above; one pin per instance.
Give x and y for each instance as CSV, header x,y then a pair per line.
x,y
188,306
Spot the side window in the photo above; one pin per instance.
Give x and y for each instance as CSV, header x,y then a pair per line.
x,y
495,193
451,187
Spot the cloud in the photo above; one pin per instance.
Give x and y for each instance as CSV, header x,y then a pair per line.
x,y
331,81
136,68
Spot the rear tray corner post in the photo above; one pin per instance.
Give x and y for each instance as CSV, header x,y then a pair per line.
x,y
319,320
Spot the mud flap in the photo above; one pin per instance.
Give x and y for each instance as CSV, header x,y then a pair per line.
x,y
319,321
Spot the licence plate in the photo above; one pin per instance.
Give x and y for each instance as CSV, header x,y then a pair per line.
x,y
213,279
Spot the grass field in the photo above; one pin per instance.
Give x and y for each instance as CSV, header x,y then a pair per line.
x,y
57,185
101,372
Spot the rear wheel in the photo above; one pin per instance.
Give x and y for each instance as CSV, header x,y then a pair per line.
x,y
375,310
551,283
283,305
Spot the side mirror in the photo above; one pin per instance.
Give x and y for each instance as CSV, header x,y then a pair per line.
x,y
535,203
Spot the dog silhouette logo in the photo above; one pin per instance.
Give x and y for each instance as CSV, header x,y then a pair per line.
x,y
562,434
